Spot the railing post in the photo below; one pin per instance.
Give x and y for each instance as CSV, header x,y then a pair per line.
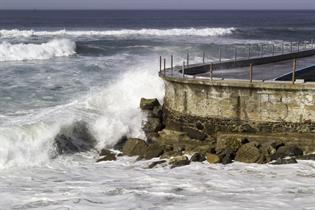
x,y
183,69
172,64
249,52
273,49
160,63
187,59
251,73
298,46
293,71
203,56
211,71
220,55
164,66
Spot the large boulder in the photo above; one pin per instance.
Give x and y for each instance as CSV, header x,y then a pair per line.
x,y
230,144
153,150
135,147
287,151
249,153
152,125
121,142
149,104
75,138
197,157
179,161
213,158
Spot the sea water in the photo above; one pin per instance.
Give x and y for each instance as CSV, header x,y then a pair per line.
x,y
60,67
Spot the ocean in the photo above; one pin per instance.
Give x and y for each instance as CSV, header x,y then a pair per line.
x,y
61,67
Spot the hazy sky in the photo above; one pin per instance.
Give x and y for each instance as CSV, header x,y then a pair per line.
x,y
157,4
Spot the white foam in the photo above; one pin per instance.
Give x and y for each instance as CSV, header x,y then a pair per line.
x,y
53,48
204,32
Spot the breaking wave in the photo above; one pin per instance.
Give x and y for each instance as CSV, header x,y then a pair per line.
x,y
20,52
204,32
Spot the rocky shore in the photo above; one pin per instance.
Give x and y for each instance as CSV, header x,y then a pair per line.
x,y
178,148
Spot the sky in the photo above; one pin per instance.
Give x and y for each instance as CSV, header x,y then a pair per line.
x,y
158,4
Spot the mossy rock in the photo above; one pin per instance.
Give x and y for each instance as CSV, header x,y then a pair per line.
x,y
135,147
153,151
249,153
149,104
213,158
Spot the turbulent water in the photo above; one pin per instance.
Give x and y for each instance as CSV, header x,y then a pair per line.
x,y
60,67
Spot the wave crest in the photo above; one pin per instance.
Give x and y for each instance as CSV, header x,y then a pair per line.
x,y
204,32
20,52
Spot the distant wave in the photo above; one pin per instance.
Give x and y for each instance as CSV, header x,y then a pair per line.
x,y
53,48
122,33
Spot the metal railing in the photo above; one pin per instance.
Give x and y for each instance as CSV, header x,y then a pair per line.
x,y
253,52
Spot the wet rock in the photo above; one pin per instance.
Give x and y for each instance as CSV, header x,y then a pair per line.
x,y
306,157
231,144
152,125
153,150
149,104
227,156
155,163
179,161
249,153
107,156
135,147
170,154
282,161
74,138
268,149
195,133
197,157
287,151
213,158
157,112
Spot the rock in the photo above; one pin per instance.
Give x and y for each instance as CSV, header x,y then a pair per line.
x,y
157,112
152,125
155,163
135,147
149,104
227,156
282,161
268,149
231,144
246,128
170,154
108,157
121,142
195,133
249,153
213,158
105,152
179,161
75,138
287,151
197,157
306,157
153,150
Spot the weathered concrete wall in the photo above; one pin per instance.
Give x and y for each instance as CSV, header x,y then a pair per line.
x,y
241,100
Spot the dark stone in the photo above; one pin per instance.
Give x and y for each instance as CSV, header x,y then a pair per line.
x,y
200,126
120,144
246,128
75,138
287,151
195,133
179,161
197,157
135,147
149,104
153,150
230,145
157,112
227,156
282,161
306,157
249,153
106,155
155,163
152,125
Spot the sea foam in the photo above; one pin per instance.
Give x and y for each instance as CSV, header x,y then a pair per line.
x,y
20,52
204,32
